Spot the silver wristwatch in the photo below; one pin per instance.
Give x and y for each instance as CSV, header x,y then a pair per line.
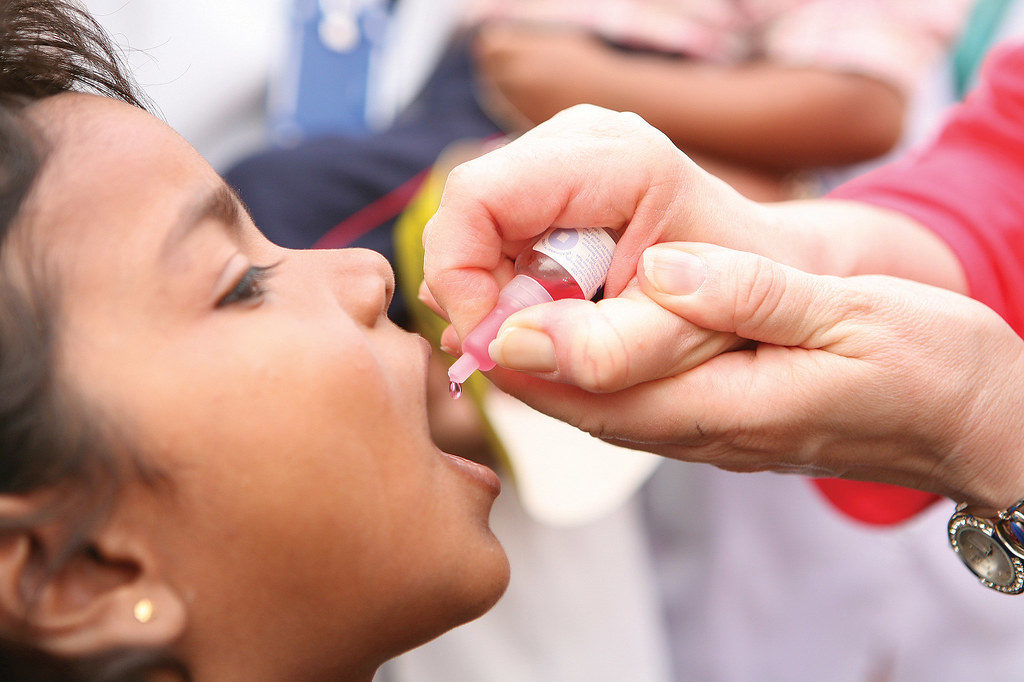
x,y
993,548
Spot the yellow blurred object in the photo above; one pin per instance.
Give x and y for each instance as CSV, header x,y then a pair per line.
x,y
408,241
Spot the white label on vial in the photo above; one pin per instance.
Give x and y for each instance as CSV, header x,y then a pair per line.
x,y
586,253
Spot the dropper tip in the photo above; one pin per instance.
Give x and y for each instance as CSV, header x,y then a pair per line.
x,y
462,368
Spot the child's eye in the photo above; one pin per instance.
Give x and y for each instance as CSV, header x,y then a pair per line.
x,y
249,287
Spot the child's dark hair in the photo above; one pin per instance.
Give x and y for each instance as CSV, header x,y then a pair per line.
x,y
47,47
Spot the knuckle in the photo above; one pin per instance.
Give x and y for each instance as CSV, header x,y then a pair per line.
x,y
601,121
598,357
866,302
758,296
461,175
598,369
577,113
597,425
587,110
631,120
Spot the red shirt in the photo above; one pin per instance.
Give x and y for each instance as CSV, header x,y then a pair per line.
x,y
968,187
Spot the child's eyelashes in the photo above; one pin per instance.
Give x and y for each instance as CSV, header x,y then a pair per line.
x,y
250,287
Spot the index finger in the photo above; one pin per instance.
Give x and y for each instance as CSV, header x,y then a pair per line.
x,y
586,167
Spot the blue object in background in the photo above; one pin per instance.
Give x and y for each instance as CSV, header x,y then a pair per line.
x,y
323,88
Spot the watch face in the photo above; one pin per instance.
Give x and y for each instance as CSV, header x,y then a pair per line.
x,y
978,546
984,556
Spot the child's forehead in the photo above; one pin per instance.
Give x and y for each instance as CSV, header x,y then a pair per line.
x,y
111,175
92,130
71,115
97,147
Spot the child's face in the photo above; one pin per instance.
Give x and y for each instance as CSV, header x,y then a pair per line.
x,y
311,521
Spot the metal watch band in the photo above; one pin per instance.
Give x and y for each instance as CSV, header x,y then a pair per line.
x,y
992,548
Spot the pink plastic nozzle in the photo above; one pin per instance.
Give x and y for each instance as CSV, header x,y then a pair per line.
x,y
521,292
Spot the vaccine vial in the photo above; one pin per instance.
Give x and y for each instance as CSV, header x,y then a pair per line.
x,y
563,263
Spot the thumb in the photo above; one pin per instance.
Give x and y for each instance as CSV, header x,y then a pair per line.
x,y
751,296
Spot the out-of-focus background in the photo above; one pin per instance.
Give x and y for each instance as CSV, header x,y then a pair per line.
x,y
227,74
207,65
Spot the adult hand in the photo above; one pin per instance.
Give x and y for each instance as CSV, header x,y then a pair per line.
x,y
872,378
593,167
585,167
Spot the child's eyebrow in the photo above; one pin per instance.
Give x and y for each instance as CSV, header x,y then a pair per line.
x,y
219,204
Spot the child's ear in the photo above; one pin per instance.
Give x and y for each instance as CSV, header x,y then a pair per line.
x,y
108,595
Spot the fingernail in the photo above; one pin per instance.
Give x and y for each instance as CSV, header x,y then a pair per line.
x,y
526,350
674,272
449,341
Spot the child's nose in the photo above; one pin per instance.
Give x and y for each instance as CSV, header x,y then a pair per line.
x,y
364,283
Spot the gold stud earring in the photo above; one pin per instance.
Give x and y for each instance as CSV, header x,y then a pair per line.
x,y
143,611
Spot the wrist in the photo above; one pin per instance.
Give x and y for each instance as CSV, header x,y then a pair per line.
x,y
988,535
986,463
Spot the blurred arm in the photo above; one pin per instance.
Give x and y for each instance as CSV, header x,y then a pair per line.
x,y
763,114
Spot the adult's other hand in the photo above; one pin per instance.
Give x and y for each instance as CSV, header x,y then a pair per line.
x,y
872,378
585,167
